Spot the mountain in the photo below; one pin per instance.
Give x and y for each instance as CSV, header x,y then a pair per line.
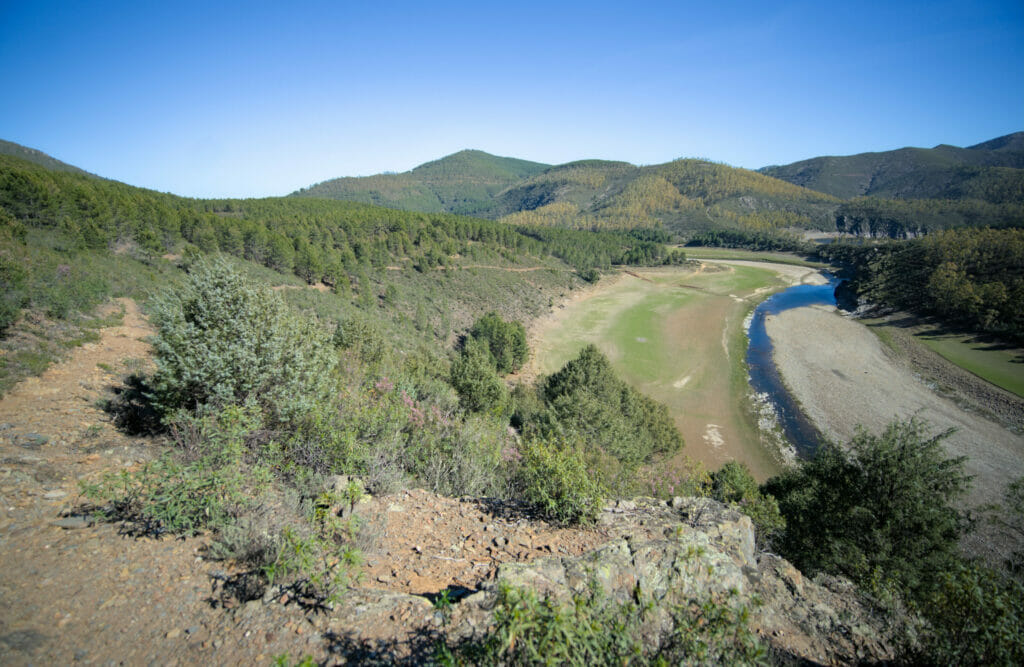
x,y
992,171
464,183
38,157
589,194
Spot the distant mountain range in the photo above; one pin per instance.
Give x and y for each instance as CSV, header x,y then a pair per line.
x,y
690,194
584,194
990,171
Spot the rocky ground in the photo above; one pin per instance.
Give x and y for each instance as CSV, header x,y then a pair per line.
x,y
72,591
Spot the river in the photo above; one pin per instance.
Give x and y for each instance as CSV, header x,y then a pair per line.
x,y
764,376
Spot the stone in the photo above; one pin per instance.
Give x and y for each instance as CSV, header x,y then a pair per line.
x,y
56,493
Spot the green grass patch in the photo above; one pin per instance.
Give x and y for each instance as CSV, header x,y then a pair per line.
x,y
999,364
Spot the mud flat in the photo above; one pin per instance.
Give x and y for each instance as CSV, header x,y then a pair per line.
x,y
843,376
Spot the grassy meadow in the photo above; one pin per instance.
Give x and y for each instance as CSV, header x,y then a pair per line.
x,y
676,334
1001,365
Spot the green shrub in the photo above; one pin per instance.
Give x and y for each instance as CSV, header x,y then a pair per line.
x,y
594,630
13,291
733,485
553,478
207,492
358,334
506,341
222,340
976,617
882,509
475,379
587,398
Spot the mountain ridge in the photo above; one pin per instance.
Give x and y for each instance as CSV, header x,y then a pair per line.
x,y
942,172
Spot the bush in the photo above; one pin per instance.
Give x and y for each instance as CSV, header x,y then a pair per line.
x,y
553,478
475,379
13,291
208,492
222,340
595,630
733,485
506,341
585,397
976,618
881,509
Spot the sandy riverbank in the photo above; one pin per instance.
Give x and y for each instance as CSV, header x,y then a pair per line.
x,y
843,376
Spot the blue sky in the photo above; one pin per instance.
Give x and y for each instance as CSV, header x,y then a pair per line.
x,y
253,99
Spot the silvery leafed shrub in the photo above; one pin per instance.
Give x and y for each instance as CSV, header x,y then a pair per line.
x,y
222,340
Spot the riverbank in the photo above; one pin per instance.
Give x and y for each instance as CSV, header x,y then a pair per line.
x,y
843,376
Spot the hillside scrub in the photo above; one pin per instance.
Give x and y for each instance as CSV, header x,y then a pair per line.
x,y
880,510
505,340
222,340
585,397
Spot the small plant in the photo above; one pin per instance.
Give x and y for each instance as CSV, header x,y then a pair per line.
x,y
170,496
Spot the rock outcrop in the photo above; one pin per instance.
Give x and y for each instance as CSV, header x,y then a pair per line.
x,y
694,548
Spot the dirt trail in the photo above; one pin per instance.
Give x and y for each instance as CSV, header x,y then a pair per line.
x,y
843,376
72,591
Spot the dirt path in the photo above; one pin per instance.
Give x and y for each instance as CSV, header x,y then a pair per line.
x,y
843,376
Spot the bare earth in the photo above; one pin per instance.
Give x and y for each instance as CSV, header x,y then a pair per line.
x,y
844,376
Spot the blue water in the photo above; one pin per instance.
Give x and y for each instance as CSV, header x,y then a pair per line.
x,y
764,376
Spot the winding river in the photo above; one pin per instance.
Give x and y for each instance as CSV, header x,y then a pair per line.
x,y
764,376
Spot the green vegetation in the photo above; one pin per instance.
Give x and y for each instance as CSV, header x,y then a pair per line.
x,y
879,510
896,218
506,341
595,630
553,478
209,491
476,379
733,485
222,340
465,183
614,419
992,361
973,277
989,171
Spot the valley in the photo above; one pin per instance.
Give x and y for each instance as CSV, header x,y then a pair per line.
x,y
677,335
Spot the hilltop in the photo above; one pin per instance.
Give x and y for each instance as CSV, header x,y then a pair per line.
x,y
992,171
465,183
38,157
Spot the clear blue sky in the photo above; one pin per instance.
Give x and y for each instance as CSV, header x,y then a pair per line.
x,y
254,98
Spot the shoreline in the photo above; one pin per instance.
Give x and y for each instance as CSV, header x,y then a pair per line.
x,y
844,377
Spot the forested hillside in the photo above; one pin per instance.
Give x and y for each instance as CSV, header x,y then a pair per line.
x,y
894,194
591,194
37,157
988,171
971,277
466,183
